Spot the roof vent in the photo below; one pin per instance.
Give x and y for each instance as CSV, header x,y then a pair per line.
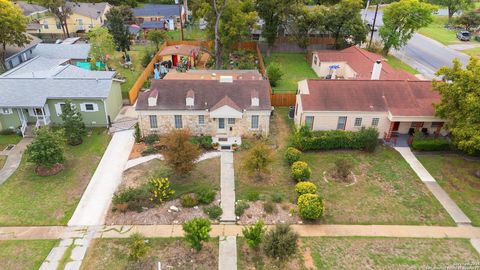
x,y
255,102
190,99
377,69
226,79
152,98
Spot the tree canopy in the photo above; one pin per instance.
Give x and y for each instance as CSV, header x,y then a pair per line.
x,y
305,21
469,20
157,37
118,19
460,103
401,20
13,27
102,43
453,5
60,10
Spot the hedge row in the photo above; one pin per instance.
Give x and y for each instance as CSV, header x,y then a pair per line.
x,y
364,139
430,144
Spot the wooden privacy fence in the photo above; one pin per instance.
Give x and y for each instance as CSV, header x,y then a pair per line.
x,y
283,99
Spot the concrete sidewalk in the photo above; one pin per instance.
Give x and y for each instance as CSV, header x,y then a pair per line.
x,y
94,203
452,208
227,253
14,158
227,187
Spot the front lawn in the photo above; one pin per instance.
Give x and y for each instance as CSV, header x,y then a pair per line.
x,y
28,199
399,65
474,52
386,191
189,33
456,176
437,31
295,68
5,140
389,253
172,253
24,254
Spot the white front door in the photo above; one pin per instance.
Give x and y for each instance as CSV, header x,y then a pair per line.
x,y
221,125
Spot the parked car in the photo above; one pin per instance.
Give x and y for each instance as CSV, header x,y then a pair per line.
x,y
463,35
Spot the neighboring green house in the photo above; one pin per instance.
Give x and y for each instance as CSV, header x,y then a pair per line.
x,y
32,94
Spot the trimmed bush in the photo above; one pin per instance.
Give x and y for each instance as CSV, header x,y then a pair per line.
x,y
310,206
151,139
365,139
305,187
213,212
430,144
197,231
240,208
254,234
300,171
292,155
189,200
205,195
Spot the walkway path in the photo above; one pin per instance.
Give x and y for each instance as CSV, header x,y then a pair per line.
x,y
14,158
227,254
137,161
227,187
453,210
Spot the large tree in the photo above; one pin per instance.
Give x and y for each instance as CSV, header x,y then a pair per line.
x,y
13,27
118,20
305,21
453,5
401,20
460,103
102,43
344,22
60,10
469,20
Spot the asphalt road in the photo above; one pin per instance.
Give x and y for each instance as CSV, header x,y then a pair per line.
x,y
424,54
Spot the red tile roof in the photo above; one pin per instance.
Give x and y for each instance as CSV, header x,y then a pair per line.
x,y
399,97
361,61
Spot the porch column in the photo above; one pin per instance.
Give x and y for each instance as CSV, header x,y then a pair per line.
x,y
418,125
390,130
43,116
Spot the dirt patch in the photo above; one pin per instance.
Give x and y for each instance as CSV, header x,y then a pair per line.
x,y
44,171
137,150
307,258
280,215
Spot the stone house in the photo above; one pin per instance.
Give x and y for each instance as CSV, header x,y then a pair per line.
x,y
225,109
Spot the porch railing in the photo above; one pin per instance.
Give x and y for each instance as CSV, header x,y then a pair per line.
x,y
23,128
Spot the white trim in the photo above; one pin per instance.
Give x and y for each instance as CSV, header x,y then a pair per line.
x,y
8,111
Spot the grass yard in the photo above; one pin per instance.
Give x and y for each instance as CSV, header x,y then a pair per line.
x,y
455,175
280,128
173,253
399,65
389,253
28,199
24,254
136,53
3,159
387,191
189,33
474,52
438,32
5,140
294,67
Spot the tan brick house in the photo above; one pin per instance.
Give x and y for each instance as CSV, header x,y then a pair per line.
x,y
225,109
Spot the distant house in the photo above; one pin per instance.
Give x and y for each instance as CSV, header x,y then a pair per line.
x,y
355,63
34,92
178,53
74,52
34,12
392,106
161,14
15,55
225,109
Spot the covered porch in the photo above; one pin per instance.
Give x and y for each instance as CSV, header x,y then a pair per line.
x,y
32,117
400,133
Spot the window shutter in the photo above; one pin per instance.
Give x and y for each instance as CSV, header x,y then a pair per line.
x,y
58,108
47,110
82,107
95,107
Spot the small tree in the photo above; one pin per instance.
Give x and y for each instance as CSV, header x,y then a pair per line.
x,y
72,124
280,242
46,149
197,231
137,247
101,42
157,37
180,153
254,234
470,20
258,159
343,168
274,74
160,189
137,135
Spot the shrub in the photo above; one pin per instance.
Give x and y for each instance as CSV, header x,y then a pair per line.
x,y
292,155
305,188
252,195
135,198
240,208
274,74
151,139
213,212
364,139
180,154
277,197
310,206
205,195
189,200
430,144
254,234
72,124
137,135
258,159
47,147
137,247
204,142
269,207
147,57
280,242
300,171
196,231
160,189
343,168
149,151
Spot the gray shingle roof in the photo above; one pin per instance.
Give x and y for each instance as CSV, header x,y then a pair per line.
x,y
156,10
29,9
13,50
69,51
91,10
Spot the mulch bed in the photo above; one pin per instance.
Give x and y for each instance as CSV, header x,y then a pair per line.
x,y
281,215
44,171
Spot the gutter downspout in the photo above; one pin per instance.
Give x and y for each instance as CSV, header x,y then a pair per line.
x,y
106,112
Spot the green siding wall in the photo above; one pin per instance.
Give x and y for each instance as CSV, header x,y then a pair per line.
x,y
114,101
9,120
90,118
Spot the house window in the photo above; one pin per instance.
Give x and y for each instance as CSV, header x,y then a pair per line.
x,y
153,121
178,121
342,121
7,111
59,25
437,124
89,107
201,119
45,24
254,121
231,121
375,121
358,121
309,121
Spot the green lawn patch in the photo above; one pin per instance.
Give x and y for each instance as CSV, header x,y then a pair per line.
x,y
294,67
456,176
24,254
189,33
3,159
389,253
28,199
386,191
399,65
173,253
437,31
5,140
474,52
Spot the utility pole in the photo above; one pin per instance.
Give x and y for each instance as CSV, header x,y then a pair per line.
x,y
180,14
373,25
